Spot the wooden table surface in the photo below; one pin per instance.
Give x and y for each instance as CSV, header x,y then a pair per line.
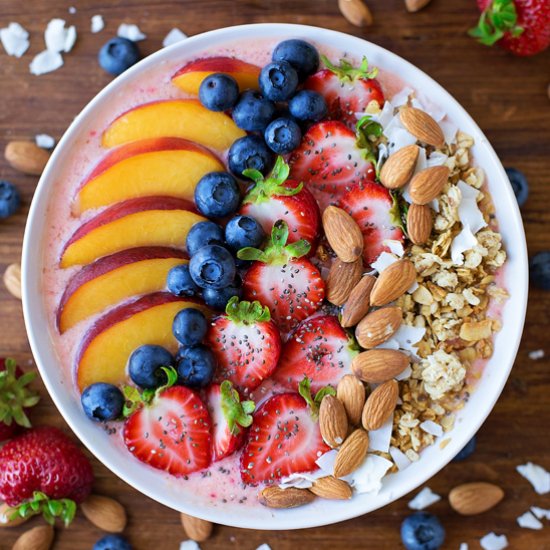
x,y
507,96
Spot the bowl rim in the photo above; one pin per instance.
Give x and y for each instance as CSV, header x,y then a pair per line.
x,y
277,519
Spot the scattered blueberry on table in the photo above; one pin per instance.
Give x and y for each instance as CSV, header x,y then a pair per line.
x,y
102,402
118,54
539,270
466,451
203,234
217,195
195,366
219,92
145,366
250,152
283,135
519,184
189,326
212,266
422,531
180,283
9,199
243,231
112,542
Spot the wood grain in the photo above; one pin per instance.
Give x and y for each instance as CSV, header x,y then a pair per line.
x,y
505,95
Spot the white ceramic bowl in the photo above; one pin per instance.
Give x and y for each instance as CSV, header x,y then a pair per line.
x,y
321,512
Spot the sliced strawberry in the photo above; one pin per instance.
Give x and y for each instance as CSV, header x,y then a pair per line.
x,y
277,198
229,418
373,208
319,349
347,90
280,278
330,162
246,344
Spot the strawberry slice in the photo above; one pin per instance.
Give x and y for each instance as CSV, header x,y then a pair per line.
x,y
377,214
169,428
277,198
246,344
346,89
319,349
284,437
229,416
280,278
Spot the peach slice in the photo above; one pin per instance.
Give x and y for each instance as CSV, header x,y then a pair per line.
x,y
112,279
160,166
105,348
190,76
183,118
145,221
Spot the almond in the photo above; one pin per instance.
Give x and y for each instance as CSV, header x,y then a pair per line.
x,y
352,453
105,513
422,126
416,5
343,234
358,302
333,421
342,279
475,498
12,280
5,513
26,157
399,168
380,405
351,392
427,184
195,528
393,282
378,326
37,538
275,497
419,223
379,365
332,488
356,12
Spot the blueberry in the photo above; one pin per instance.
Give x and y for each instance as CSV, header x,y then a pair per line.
x,y
217,195
539,270
112,542
519,185
118,54
308,105
250,152
422,531
9,199
242,231
144,366
278,81
283,135
102,401
196,365
467,450
300,54
203,234
219,92
180,283
253,112
189,326
212,266
217,298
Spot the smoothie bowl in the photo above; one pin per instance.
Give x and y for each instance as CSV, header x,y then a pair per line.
x,y
283,308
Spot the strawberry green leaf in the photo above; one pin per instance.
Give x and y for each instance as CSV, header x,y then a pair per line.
x,y
248,313
368,133
500,17
304,389
50,509
346,72
274,184
398,211
236,413
327,390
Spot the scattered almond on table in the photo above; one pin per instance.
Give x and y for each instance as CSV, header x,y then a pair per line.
x,y
26,157
474,498
37,538
195,528
416,5
12,280
6,521
356,12
105,513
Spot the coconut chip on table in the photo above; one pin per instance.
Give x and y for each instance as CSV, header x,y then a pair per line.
x,y
44,141
492,541
97,24
189,545
174,36
540,513
529,521
131,32
426,497
15,39
537,476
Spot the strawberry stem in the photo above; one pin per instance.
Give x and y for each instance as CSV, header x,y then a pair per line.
x,y
237,413
304,389
248,313
346,72
50,509
368,132
500,17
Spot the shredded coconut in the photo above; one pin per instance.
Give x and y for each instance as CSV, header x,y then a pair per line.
x,y
46,62
58,38
537,476
15,39
426,497
189,545
429,426
131,32
540,513
537,354
44,141
529,521
491,541
174,36
97,24
379,440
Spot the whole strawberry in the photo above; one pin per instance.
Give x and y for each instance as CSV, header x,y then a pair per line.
x,y
519,26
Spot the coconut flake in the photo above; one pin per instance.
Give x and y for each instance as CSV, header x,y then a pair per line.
x,y
436,159
383,261
45,62
131,32
264,546
72,10
537,354
396,247
492,541
379,440
469,213
407,336
404,375
400,458
465,240
368,477
540,513
15,39
402,97
449,130
426,497
432,428
389,344
44,141
326,461
174,36
97,23
463,546
303,480
189,545
58,38
529,521
399,138
537,476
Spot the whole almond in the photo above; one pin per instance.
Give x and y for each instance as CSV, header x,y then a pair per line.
x,y
416,5
427,184
12,280
378,326
475,498
358,302
351,392
399,167
392,282
380,405
5,513
352,453
379,365
419,223
105,513
422,126
195,528
26,157
333,421
342,279
37,538
332,488
275,497
343,234
356,12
